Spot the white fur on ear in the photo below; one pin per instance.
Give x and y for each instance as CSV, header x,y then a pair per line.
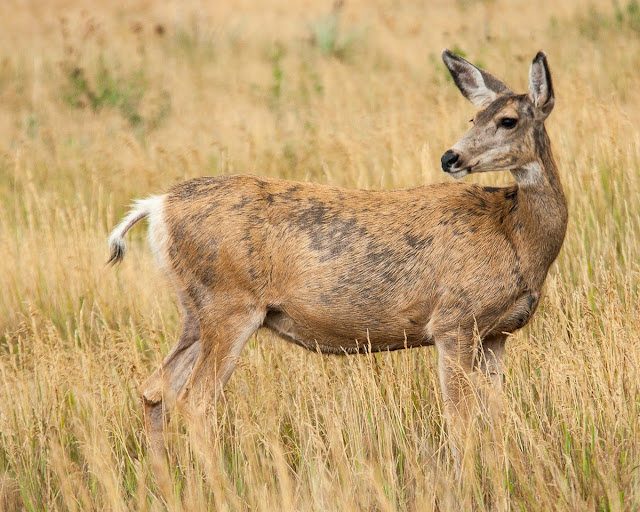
x,y
478,86
540,86
480,95
468,79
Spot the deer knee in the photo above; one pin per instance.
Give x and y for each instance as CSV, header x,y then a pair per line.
x,y
152,389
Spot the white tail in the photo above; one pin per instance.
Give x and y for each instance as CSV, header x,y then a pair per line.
x,y
142,208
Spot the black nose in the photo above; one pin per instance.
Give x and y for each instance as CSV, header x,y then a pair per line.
x,y
448,159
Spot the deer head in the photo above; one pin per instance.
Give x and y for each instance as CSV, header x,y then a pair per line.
x,y
508,133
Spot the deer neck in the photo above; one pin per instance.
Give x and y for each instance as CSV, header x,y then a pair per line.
x,y
539,223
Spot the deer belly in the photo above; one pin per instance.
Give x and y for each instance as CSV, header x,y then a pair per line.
x,y
332,334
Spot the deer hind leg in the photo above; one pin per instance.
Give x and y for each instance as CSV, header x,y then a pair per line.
x,y
166,382
223,332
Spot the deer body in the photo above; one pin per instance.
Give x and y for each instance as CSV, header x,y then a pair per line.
x,y
315,259
345,271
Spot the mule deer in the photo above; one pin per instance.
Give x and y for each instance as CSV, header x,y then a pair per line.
x,y
346,271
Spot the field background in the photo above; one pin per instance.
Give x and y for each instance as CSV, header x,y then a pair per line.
x,y
104,102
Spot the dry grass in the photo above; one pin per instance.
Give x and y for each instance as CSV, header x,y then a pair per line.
x,y
98,107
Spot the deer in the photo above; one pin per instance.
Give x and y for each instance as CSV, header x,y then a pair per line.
x,y
454,265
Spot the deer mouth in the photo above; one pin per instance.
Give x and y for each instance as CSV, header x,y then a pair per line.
x,y
459,173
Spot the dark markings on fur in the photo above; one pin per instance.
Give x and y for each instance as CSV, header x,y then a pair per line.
x,y
240,205
417,242
513,197
543,148
380,256
197,188
335,237
197,295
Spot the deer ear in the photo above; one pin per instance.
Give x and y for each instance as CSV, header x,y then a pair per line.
x,y
478,86
540,86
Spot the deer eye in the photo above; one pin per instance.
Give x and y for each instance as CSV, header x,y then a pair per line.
x,y
508,122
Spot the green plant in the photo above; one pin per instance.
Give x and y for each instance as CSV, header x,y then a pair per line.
x,y
329,38
629,16
105,89
277,73
594,23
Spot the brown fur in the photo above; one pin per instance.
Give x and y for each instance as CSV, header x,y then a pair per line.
x,y
345,271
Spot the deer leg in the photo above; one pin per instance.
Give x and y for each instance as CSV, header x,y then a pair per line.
x,y
490,360
466,370
169,378
489,372
455,368
223,336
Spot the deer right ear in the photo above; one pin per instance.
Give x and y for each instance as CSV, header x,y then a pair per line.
x,y
540,86
478,86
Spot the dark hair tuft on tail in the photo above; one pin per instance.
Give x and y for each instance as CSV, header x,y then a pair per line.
x,y
117,252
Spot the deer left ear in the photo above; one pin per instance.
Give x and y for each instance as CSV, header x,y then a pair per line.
x,y
540,86
478,86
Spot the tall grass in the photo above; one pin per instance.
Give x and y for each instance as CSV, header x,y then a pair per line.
x,y
99,107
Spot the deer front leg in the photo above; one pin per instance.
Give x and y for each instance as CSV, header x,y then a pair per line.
x,y
490,361
470,375
456,356
465,367
489,369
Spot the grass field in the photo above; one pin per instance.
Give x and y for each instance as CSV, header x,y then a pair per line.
x,y
104,104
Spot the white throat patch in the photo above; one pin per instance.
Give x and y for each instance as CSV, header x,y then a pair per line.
x,y
529,174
